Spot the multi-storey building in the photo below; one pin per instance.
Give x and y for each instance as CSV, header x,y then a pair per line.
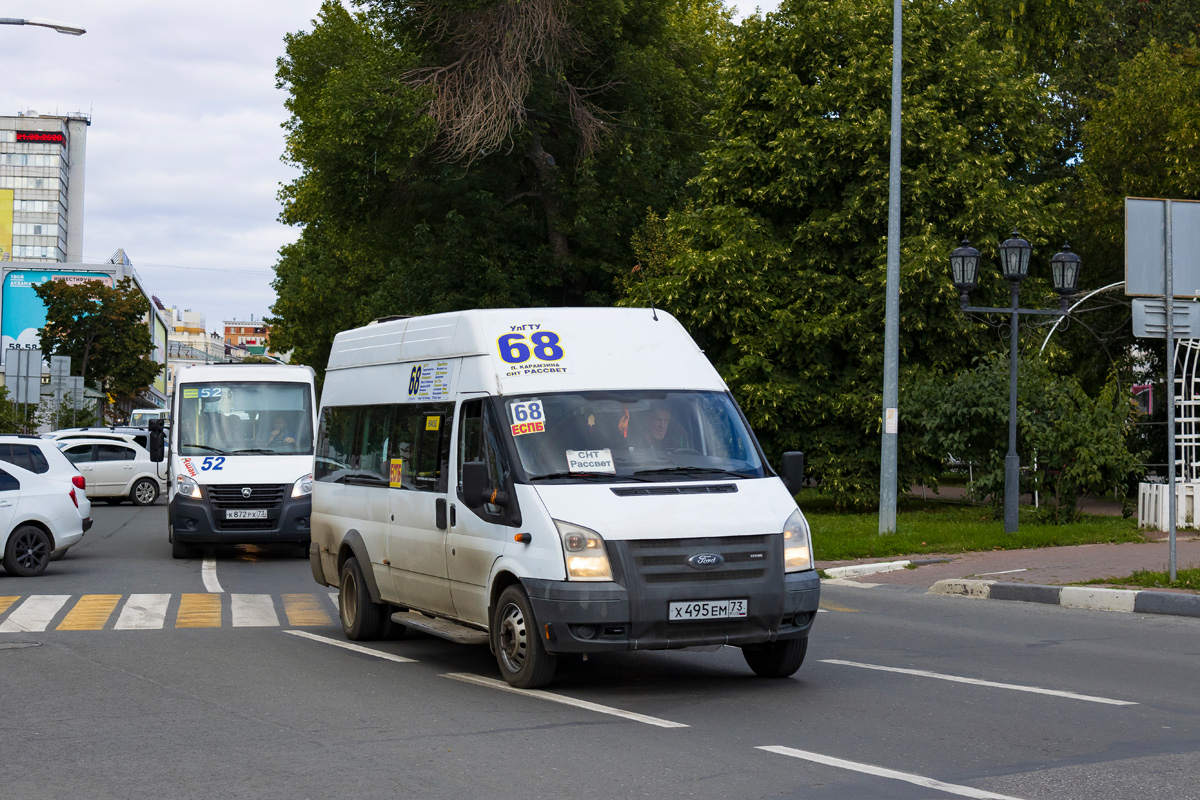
x,y
42,162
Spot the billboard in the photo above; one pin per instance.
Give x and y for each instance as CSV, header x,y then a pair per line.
x,y
160,352
1145,247
6,224
23,314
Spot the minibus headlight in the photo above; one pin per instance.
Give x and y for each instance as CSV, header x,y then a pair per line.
x,y
797,544
303,486
187,487
587,560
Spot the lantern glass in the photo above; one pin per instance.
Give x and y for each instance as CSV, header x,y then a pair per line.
x,y
1064,269
964,267
1014,258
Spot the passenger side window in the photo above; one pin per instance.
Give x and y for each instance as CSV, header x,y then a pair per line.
x,y
113,452
25,456
79,454
433,457
335,457
8,483
374,429
38,459
478,441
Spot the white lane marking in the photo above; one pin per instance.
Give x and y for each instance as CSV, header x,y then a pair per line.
x,y
884,772
208,571
333,597
1005,571
253,611
35,613
351,646
143,612
920,673
492,683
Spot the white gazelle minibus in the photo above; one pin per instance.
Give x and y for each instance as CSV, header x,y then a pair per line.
x,y
554,481
241,456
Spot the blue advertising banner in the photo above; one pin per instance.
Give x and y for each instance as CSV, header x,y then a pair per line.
x,y
23,314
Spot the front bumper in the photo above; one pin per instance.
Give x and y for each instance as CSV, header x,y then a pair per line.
x,y
599,617
195,521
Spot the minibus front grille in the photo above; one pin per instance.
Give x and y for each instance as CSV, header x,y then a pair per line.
x,y
643,491
745,558
259,496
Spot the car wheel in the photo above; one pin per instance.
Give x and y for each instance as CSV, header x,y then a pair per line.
x,y
114,501
144,492
776,659
362,618
27,552
179,549
523,659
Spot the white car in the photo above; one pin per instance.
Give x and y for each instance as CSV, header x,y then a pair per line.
x,y
44,508
116,470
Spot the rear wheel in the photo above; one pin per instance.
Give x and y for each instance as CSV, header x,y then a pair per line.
x,y
27,552
523,659
776,659
144,492
362,618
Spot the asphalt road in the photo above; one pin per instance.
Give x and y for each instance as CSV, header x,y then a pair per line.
x,y
230,695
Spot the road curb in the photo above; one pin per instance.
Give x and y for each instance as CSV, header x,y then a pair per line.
x,y
866,569
1140,601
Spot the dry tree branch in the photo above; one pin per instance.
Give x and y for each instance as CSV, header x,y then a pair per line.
x,y
491,55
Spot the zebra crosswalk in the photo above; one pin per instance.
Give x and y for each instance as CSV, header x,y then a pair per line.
x,y
119,612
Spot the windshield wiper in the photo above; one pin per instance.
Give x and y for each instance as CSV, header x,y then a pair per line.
x,y
692,471
208,448
257,450
585,475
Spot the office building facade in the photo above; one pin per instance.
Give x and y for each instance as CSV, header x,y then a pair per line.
x,y
42,160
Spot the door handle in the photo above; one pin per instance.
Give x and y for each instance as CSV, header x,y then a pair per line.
x,y
439,513
453,516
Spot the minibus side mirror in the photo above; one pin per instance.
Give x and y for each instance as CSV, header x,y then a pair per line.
x,y
792,472
156,440
478,488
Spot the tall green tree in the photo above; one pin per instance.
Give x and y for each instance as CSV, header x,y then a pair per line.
x,y
485,153
779,269
103,329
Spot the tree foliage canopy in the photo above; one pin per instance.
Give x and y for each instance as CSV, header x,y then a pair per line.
x,y
103,330
419,194
780,266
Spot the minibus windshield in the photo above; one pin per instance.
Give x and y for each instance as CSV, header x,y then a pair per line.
x,y
245,418
631,436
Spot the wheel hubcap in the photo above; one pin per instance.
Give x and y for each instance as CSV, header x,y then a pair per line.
x,y
145,493
513,638
349,601
31,550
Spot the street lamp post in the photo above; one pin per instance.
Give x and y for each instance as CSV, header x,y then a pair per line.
x,y
1014,266
61,27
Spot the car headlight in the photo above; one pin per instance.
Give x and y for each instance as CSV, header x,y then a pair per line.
x,y
587,560
303,486
797,544
187,487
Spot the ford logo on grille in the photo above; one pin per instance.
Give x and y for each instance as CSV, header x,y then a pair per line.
x,y
246,492
705,561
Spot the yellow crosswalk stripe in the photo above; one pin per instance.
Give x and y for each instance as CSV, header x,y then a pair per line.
x,y
5,602
305,609
90,613
199,611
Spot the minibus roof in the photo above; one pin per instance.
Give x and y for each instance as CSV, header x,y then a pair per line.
x,y
542,349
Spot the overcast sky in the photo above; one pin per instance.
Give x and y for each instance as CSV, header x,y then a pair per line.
x,y
183,153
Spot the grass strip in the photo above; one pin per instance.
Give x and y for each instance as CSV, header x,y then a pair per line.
x,y
941,527
1148,579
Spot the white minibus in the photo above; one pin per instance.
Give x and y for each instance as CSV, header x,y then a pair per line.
x,y
554,481
241,456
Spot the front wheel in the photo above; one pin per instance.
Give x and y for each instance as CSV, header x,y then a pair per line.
x,y
144,492
27,552
776,659
523,659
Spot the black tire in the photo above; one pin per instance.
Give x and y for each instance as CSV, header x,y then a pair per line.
x,y
113,501
363,619
179,549
302,550
144,492
27,552
776,659
522,657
